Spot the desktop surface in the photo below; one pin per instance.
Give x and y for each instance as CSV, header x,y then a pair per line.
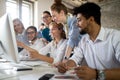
x,y
8,73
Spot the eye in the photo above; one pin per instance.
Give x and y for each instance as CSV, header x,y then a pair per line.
x,y
78,20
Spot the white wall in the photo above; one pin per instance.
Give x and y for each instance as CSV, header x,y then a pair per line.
x,y
40,6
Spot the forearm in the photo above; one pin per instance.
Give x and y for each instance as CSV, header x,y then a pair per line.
x,y
68,51
27,47
112,74
46,59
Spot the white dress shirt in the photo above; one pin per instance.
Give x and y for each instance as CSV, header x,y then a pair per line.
x,y
37,45
103,53
56,51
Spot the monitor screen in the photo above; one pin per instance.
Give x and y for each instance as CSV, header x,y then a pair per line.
x,y
8,40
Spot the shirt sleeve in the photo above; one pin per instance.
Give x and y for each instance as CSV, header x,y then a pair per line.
x,y
116,44
77,56
45,50
74,35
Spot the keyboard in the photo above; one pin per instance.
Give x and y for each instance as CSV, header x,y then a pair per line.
x,y
34,63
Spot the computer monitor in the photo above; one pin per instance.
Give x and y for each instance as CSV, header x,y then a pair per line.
x,y
8,40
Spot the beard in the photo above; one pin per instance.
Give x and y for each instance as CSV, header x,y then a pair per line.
x,y
82,32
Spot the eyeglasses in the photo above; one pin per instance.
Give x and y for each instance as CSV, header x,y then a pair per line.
x,y
30,32
45,17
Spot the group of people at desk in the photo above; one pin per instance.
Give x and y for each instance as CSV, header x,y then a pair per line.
x,y
99,46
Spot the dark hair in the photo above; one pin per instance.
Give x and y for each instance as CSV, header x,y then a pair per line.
x,y
32,27
89,9
60,27
42,24
47,12
58,6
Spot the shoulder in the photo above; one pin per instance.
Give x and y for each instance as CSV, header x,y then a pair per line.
x,y
110,32
65,40
71,20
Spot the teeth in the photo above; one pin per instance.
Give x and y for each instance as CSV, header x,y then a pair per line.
x,y
30,41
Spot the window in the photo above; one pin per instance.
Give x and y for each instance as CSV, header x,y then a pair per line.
x,y
20,9
11,8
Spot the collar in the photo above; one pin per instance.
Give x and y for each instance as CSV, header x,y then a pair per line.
x,y
100,37
59,43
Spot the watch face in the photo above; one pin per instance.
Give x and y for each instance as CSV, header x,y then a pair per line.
x,y
101,75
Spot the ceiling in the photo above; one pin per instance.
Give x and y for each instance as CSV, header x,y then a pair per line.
x,y
70,4
74,3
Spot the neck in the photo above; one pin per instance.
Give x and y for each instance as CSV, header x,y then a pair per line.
x,y
94,32
58,39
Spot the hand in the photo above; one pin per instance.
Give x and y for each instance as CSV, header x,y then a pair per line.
x,y
64,60
62,67
85,73
44,40
20,44
55,64
34,54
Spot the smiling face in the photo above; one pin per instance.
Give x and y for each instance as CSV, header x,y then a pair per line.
x,y
18,27
46,18
31,34
54,31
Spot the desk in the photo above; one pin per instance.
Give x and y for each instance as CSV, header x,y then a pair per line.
x,y
9,74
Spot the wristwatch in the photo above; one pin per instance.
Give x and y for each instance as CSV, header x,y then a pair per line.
x,y
101,75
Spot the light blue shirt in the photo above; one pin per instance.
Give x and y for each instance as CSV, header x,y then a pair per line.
x,y
74,32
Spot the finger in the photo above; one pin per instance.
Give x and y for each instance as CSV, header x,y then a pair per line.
x,y
77,68
62,68
80,74
81,68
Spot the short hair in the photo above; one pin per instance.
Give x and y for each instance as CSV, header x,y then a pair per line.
x,y
32,27
47,12
89,9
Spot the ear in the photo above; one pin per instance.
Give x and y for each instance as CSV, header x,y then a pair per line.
x,y
91,19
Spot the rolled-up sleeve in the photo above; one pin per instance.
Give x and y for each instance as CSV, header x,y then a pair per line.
x,y
77,56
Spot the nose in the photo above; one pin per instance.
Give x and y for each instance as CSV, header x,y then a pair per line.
x,y
51,31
